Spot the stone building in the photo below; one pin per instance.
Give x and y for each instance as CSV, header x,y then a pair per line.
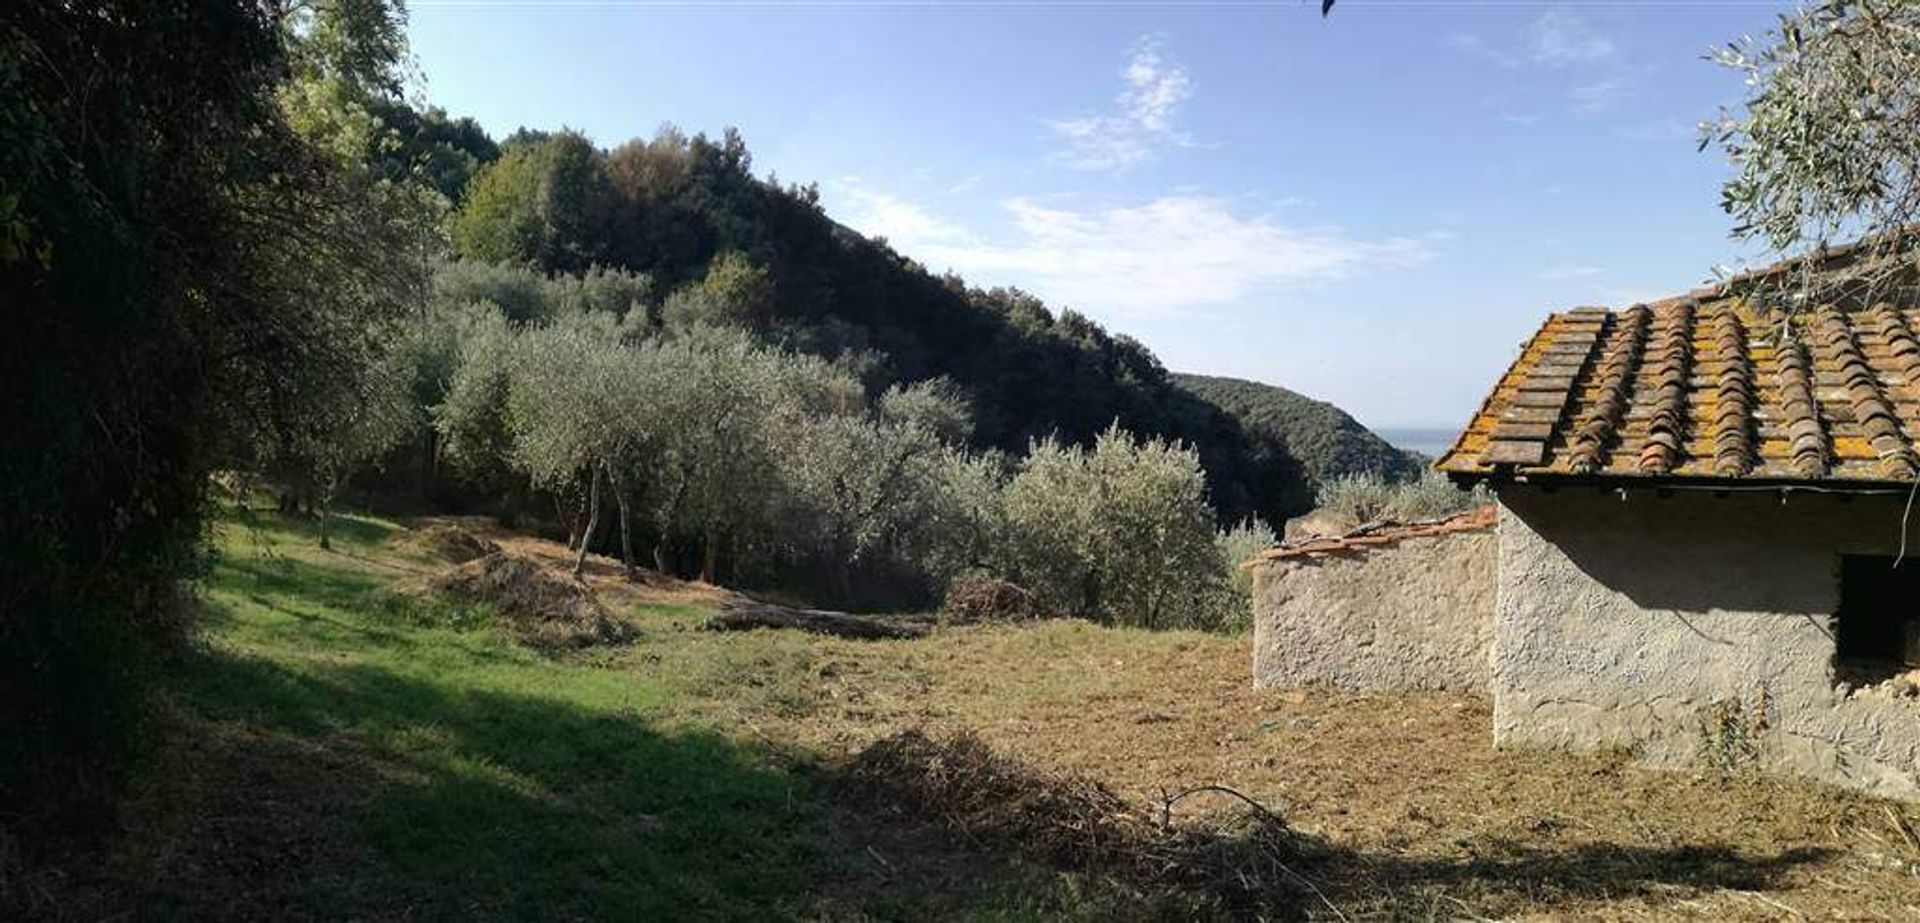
x,y
1698,553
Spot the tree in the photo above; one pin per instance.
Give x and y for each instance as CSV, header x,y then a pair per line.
x,y
188,260
568,402
545,204
1120,533
472,417
887,488
1828,143
735,292
427,146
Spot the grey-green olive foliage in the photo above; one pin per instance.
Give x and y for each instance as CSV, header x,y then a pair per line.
x,y
731,459
1827,144
1119,533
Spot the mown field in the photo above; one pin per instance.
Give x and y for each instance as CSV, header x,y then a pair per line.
x,y
339,753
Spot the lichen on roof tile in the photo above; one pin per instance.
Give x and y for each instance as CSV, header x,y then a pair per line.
x,y
1706,388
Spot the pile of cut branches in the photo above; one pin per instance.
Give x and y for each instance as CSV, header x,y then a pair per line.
x,y
1236,867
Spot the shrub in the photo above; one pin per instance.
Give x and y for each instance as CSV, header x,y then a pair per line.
x,y
1368,497
1361,497
1238,545
1121,533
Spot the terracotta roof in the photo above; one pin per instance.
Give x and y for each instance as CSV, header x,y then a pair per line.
x,y
1375,534
1706,389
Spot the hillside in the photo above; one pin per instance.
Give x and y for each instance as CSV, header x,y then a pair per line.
x,y
682,210
1323,438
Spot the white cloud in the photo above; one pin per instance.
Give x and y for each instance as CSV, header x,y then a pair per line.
x,y
1143,118
1560,38
1171,254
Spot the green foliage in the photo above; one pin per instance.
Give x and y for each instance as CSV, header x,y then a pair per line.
x,y
1327,442
735,292
519,293
195,272
1368,497
1238,545
1121,533
428,147
472,418
731,249
546,204
1826,145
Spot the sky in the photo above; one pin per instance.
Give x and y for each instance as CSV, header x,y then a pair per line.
x,y
1375,209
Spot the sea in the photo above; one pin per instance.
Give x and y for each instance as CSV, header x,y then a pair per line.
x,y
1428,441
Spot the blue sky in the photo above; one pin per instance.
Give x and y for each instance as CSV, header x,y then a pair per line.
x,y
1375,209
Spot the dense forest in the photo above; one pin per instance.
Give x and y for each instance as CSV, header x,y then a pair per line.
x,y
1327,443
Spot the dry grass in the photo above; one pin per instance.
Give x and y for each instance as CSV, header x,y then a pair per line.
x,y
1421,816
1409,787
334,762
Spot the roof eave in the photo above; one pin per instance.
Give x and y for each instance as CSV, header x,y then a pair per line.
x,y
1503,475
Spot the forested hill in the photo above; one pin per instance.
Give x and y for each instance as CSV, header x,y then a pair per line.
x,y
1323,438
721,244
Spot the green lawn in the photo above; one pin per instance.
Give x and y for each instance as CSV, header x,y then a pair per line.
x,y
343,756
337,750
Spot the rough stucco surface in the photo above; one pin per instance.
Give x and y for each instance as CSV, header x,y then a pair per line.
x,y
1624,623
1413,615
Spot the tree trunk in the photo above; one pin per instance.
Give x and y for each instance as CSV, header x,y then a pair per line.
x,y
709,557
626,536
660,556
514,502
430,451
593,521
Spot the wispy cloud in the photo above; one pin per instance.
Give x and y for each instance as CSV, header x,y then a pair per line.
x,y
1564,272
1142,120
1600,94
1560,38
1171,254
1475,46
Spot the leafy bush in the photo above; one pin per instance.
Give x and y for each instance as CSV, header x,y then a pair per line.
x,y
1368,497
1120,533
1237,546
1361,497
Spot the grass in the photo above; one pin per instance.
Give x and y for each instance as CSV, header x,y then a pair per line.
x,y
339,755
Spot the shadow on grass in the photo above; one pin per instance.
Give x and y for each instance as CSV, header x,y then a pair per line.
x,y
356,792
1137,859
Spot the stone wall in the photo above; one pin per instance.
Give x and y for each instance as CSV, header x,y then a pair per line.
x,y
1409,615
1655,623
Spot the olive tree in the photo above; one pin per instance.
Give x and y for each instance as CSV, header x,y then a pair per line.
x,y
565,405
1827,143
1121,532
891,485
471,418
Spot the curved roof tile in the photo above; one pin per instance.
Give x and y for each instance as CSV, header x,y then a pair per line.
x,y
1717,390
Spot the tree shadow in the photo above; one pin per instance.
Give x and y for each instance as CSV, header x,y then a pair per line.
x,y
354,792
1525,879
1143,864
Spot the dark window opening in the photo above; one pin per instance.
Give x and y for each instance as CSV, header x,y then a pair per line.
x,y
1878,632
